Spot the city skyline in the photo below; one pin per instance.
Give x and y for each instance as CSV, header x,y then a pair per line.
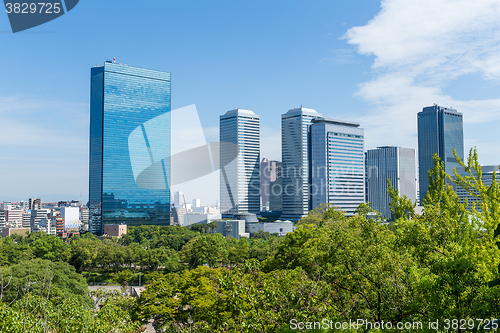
x,y
369,63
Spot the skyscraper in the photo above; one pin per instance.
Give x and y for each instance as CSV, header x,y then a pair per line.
x,y
129,146
178,199
35,203
239,180
338,165
487,179
440,130
396,164
269,172
295,125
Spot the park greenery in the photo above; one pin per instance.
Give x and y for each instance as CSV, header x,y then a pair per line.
x,y
442,263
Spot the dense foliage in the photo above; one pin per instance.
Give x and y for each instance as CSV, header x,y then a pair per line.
x,y
437,265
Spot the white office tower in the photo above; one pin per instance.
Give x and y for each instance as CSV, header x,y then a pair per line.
x,y
295,125
239,178
71,216
338,164
178,199
396,164
196,203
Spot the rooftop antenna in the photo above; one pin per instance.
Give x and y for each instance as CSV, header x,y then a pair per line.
x,y
114,60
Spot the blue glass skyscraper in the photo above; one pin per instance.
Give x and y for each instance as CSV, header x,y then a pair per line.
x,y
129,169
396,164
440,130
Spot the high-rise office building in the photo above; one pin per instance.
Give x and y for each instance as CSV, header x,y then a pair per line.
x,y
35,203
338,166
276,195
396,164
440,130
295,153
269,172
178,198
487,179
129,146
239,180
2,219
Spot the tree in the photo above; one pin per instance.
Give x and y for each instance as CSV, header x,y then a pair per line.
x,y
52,280
154,258
400,206
238,250
258,302
452,248
159,301
49,247
84,253
208,249
36,314
487,213
124,277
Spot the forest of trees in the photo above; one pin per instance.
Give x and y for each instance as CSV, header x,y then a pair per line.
x,y
438,265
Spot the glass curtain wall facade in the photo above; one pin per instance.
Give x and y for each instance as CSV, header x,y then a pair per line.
x,y
269,172
338,164
396,164
486,178
440,130
295,153
240,179
129,146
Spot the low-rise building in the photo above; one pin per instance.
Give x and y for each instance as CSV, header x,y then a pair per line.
x,y
190,219
37,215
279,227
48,225
14,217
26,219
6,232
233,228
115,230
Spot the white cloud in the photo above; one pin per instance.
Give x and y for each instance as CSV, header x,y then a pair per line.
x,y
419,47
426,34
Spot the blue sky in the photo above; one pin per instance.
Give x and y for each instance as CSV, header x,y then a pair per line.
x,y
367,61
